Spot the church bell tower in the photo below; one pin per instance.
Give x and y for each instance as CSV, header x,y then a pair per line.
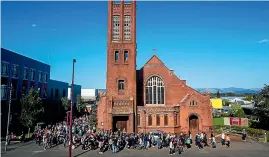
x,y
121,65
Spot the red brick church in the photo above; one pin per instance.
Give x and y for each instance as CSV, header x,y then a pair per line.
x,y
152,98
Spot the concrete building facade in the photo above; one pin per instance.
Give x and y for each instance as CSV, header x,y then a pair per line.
x,y
23,73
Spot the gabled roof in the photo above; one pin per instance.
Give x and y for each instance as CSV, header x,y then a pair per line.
x,y
154,60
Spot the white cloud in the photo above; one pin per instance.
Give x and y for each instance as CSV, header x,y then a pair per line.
x,y
263,41
33,25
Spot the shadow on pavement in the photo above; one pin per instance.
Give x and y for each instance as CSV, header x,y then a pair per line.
x,y
18,145
81,153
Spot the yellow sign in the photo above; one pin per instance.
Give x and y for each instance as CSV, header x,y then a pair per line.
x,y
216,103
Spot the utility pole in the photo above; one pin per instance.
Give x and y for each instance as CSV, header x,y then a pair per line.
x,y
71,112
8,117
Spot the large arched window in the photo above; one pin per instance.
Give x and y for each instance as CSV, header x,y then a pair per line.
x,y
154,90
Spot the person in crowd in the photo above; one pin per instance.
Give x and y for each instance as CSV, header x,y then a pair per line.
x,y
171,147
222,138
228,141
214,144
244,135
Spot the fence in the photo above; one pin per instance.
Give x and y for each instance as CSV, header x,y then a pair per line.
x,y
230,121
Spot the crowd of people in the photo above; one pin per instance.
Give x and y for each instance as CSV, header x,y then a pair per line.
x,y
90,138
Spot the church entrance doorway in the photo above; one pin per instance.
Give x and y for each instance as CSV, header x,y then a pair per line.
x,y
193,124
120,123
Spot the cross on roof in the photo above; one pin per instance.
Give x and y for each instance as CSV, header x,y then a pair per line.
x,y
154,51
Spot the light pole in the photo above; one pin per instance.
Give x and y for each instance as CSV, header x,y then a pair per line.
x,y
71,111
8,116
145,121
134,114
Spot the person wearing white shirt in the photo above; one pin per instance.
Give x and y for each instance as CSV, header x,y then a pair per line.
x,y
213,142
223,139
171,148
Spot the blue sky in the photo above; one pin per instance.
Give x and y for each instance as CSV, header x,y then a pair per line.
x,y
210,44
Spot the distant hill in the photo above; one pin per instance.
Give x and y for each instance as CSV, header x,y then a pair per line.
x,y
230,90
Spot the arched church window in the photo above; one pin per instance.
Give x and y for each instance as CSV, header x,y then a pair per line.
x,y
155,90
193,102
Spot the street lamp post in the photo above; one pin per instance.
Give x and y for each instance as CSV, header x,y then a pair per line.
x,y
134,114
8,117
145,121
71,111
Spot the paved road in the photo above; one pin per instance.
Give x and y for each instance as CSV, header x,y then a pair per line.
x,y
237,149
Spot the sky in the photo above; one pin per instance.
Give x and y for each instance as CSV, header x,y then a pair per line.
x,y
210,44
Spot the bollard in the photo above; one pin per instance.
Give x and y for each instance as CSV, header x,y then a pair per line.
x,y
265,138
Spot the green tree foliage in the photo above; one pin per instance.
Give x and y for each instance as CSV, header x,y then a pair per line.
x,y
261,104
81,105
93,115
248,98
65,103
31,108
218,94
225,102
240,113
237,110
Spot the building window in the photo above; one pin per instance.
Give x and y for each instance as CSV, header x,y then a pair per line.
x,y
4,92
158,120
15,71
116,27
116,57
155,90
121,84
126,56
64,93
45,94
175,119
5,68
40,76
25,73
127,27
150,120
45,77
165,119
51,92
56,93
14,92
40,92
138,119
32,74
24,89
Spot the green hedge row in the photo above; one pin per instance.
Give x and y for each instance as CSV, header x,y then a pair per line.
x,y
250,131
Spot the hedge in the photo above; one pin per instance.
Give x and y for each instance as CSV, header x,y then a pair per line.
x,y
257,133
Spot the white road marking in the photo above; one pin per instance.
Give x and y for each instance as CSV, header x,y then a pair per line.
x,y
38,151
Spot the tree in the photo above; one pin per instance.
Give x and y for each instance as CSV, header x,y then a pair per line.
x,y
237,110
240,113
31,108
93,115
65,103
225,102
218,94
261,107
248,98
81,105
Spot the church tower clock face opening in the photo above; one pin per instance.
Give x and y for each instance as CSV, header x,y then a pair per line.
x,y
151,98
